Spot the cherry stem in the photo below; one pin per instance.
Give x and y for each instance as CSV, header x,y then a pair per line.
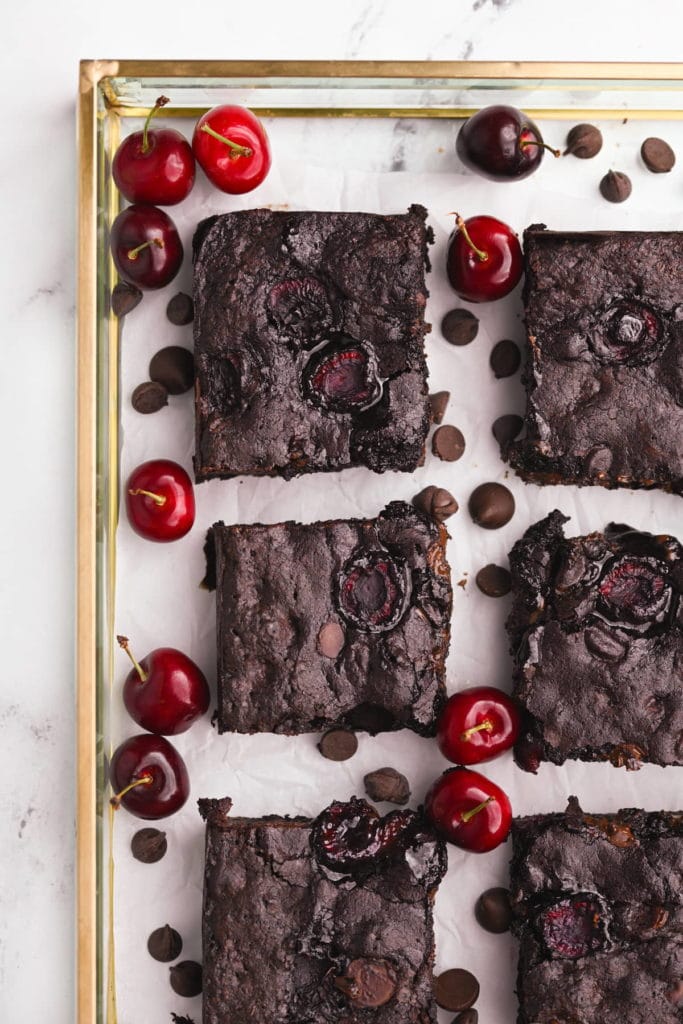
x,y
237,150
161,102
132,254
536,142
468,815
144,780
123,644
461,226
158,499
485,726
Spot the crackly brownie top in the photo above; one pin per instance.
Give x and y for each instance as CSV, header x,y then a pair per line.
x,y
604,314
309,346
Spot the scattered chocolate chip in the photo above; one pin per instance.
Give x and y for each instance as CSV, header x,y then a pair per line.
x,y
338,745
165,944
437,405
615,187
492,910
149,845
491,506
494,580
505,359
124,298
467,1017
456,989
459,327
186,978
506,428
149,396
448,443
584,141
330,640
367,983
173,367
387,784
180,310
436,502
658,156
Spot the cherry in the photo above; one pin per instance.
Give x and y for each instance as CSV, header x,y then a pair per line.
x,y
501,143
574,926
149,777
351,836
165,692
477,724
154,166
231,147
634,589
160,500
146,246
484,260
373,591
469,810
343,378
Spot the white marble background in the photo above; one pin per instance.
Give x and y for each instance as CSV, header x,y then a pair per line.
x,y
40,44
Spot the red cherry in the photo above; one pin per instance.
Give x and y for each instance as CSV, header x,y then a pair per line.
x,y
477,724
501,143
484,260
160,500
149,777
469,810
165,692
154,166
146,246
231,147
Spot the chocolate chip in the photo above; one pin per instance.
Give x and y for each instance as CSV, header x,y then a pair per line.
x,y
436,502
604,644
368,983
459,327
658,156
330,640
505,359
149,397
492,910
180,1020
186,978
466,1017
448,443
598,461
584,141
615,187
506,428
124,298
165,944
456,989
148,845
180,310
387,784
173,367
494,580
437,405
491,506
338,745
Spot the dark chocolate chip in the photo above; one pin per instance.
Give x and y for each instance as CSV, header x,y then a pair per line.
x,y
467,1017
330,641
180,310
456,989
494,580
505,359
615,187
387,784
658,156
491,506
604,644
149,845
436,502
437,405
150,396
368,983
507,428
448,443
176,1019
338,745
186,978
492,910
459,327
584,141
124,298
165,944
173,367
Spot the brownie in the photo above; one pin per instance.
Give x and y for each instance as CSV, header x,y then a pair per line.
x,y
345,622
597,903
309,342
604,378
289,940
596,630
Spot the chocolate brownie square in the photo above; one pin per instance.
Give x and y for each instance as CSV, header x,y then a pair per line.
x,y
596,630
309,342
345,622
597,903
604,379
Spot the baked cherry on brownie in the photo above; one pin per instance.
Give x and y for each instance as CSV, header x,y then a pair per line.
x,y
165,692
149,777
155,165
501,143
477,724
231,147
484,260
160,500
351,836
469,810
146,246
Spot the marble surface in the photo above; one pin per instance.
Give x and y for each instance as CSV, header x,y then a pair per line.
x,y
41,44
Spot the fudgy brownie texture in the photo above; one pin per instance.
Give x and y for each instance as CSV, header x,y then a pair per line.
x,y
309,342
604,377
289,941
345,622
596,629
597,903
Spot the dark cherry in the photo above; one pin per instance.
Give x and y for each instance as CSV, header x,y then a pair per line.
x,y
469,810
574,926
629,333
300,309
635,589
484,260
146,246
165,692
343,378
501,143
374,590
528,753
477,724
155,165
148,777
160,500
351,836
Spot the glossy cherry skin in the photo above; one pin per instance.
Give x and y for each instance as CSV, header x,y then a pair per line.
x,y
162,174
173,696
500,143
477,724
456,793
166,512
484,280
160,260
153,756
227,169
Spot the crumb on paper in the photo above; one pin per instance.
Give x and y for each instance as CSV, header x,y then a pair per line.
x,y
462,583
